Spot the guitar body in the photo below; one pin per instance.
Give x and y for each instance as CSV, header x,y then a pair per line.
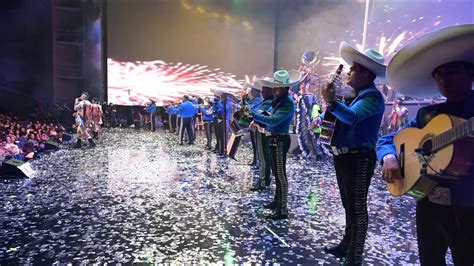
x,y
328,127
329,123
448,162
233,145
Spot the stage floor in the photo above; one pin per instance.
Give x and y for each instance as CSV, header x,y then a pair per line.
x,y
139,197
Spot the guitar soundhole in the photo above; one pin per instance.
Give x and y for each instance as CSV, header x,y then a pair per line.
x,y
428,146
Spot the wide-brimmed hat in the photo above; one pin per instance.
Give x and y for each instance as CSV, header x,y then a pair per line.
x,y
281,78
410,70
217,92
255,86
370,59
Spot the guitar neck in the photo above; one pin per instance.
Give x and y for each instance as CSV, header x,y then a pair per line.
x,y
462,130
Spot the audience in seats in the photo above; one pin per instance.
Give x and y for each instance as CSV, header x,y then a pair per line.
x,y
23,139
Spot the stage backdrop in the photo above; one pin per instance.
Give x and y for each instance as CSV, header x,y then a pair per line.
x,y
162,50
322,25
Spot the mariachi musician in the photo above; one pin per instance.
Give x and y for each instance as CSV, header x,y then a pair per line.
x,y
263,149
252,100
277,130
445,217
354,145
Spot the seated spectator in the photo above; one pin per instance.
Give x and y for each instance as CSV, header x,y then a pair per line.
x,y
44,137
24,140
15,152
21,139
29,152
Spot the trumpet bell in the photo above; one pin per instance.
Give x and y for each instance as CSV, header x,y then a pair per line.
x,y
309,58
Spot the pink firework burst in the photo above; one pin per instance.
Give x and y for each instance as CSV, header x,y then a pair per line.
x,y
134,83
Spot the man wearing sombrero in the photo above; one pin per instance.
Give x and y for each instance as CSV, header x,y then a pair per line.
x,y
263,149
253,99
278,126
354,145
438,62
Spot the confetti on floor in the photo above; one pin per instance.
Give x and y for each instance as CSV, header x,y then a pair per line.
x,y
139,197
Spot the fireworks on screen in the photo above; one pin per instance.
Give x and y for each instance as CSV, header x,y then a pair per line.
x,y
135,83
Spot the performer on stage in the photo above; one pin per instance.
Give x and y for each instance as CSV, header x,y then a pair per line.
x,y
354,149
278,126
316,116
444,218
96,118
224,117
307,100
186,111
151,109
194,101
263,149
216,119
398,116
207,117
253,99
171,111
84,110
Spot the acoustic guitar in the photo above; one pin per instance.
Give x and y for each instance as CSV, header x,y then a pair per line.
x,y
329,123
443,149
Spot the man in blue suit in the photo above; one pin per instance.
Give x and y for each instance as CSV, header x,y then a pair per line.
x,y
186,111
277,129
354,145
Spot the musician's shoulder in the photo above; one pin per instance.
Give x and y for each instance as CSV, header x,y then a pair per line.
x,y
426,113
371,93
429,108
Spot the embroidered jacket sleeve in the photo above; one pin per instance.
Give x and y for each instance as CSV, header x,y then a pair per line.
x,y
385,144
360,110
265,106
281,114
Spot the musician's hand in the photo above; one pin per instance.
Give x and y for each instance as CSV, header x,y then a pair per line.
x,y
250,111
391,169
252,125
328,93
316,123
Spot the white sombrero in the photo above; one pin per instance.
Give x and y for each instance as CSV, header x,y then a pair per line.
x,y
281,78
370,59
410,70
253,86
217,92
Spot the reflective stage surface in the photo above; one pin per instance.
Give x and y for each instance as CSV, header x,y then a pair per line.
x,y
139,197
